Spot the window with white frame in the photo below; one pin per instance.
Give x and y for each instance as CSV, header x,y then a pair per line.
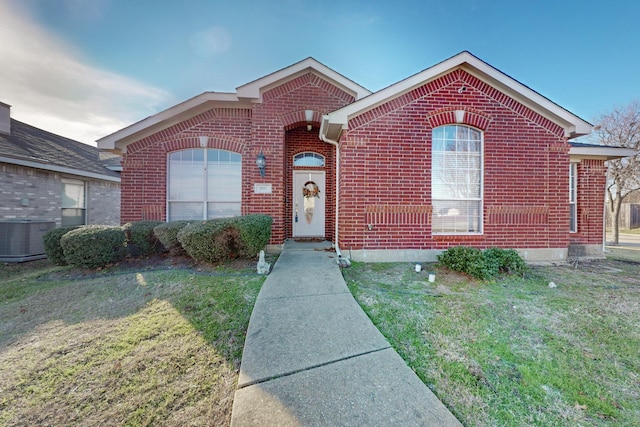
x,y
204,184
308,159
456,180
73,202
573,204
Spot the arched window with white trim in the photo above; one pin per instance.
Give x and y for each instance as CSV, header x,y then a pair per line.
x,y
456,180
308,159
204,184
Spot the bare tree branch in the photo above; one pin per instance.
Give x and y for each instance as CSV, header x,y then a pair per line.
x,y
621,128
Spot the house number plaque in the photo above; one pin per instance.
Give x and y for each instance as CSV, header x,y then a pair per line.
x,y
262,188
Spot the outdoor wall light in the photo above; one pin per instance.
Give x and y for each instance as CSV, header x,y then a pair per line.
x,y
308,115
204,141
261,162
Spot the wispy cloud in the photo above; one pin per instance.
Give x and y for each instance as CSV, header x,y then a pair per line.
x,y
50,86
212,41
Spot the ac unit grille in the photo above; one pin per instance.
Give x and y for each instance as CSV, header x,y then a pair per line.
x,y
22,239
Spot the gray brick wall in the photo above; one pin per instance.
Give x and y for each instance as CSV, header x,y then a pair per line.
x,y
41,192
103,202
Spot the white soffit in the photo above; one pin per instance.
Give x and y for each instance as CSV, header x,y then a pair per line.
x,y
573,125
601,152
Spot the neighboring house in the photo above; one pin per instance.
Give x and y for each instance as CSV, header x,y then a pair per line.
x,y
46,177
458,154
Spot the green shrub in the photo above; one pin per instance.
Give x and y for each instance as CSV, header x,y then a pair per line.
x,y
140,239
167,234
481,264
52,244
255,232
93,246
506,261
212,240
226,238
466,260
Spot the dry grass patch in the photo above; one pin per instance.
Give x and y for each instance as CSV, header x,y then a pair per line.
x,y
123,347
515,351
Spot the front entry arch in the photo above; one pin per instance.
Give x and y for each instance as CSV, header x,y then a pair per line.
x,y
309,196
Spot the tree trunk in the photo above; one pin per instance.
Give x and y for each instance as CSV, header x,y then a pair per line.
x,y
615,219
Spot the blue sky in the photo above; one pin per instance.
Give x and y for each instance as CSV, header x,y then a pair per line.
x,y
86,68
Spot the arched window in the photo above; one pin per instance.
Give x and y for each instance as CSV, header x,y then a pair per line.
x,y
456,180
308,159
204,184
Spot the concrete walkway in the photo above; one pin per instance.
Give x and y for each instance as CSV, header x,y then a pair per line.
x,y
313,358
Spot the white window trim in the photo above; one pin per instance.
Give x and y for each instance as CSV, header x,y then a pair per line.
x,y
573,190
480,199
205,190
85,202
318,155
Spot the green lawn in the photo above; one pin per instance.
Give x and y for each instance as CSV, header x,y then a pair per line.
x,y
515,351
121,347
132,346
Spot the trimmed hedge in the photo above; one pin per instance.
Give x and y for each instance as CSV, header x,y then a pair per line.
x,y
481,264
167,234
52,246
141,240
93,246
226,238
255,232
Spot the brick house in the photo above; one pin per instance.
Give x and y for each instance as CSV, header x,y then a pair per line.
x,y
44,176
458,154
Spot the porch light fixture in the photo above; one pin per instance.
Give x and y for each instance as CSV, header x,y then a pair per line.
x,y
204,141
308,116
261,162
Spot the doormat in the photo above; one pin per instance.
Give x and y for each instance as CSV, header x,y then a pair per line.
x,y
308,239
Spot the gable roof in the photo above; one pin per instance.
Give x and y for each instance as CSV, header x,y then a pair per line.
x,y
254,89
244,97
29,146
333,123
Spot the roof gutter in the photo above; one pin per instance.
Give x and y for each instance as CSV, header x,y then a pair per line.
x,y
60,169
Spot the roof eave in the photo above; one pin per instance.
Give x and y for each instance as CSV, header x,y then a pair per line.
x,y
60,169
117,141
603,153
573,125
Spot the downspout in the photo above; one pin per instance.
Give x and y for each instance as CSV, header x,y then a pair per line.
x,y
337,145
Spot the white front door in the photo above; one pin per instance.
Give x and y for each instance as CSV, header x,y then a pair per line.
x,y
309,197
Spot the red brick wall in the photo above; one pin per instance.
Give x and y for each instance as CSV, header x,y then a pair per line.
x,y
386,166
281,111
276,126
591,187
144,175
300,140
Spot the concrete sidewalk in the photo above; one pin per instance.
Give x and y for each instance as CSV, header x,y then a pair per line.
x,y
313,358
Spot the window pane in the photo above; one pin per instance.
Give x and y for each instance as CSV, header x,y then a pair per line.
x,y
222,210
185,211
308,159
72,195
186,177
456,180
72,216
456,216
224,177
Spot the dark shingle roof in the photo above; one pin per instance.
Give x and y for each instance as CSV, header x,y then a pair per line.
x,y
28,143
